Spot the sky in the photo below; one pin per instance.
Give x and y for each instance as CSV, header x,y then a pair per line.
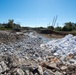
x,y
37,13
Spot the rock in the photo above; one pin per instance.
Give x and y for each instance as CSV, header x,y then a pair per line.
x,y
27,72
54,65
17,71
63,46
22,61
74,74
71,69
40,69
3,67
11,60
51,67
72,61
55,60
58,73
48,72
63,67
64,73
22,53
20,72
70,56
30,69
1,70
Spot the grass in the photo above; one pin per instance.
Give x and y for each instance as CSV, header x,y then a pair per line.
x,y
2,28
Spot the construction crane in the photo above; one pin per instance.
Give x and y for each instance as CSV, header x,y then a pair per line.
x,y
54,20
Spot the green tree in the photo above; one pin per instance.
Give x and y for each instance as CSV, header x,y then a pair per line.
x,y
68,26
50,27
58,28
10,24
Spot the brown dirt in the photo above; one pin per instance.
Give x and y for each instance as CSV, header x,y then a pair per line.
x,y
52,36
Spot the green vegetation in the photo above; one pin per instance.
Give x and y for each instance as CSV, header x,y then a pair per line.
x,y
50,27
10,25
68,28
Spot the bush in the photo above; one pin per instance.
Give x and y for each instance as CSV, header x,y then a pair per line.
x,y
50,27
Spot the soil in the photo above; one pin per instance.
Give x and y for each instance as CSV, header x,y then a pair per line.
x,y
52,36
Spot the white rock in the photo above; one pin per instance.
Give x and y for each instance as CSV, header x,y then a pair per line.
x,y
63,67
62,46
20,72
58,73
3,66
40,70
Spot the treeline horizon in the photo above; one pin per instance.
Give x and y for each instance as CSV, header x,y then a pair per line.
x,y
68,26
9,25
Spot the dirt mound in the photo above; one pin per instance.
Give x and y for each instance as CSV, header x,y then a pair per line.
x,y
6,37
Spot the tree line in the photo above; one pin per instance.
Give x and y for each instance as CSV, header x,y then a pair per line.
x,y
68,26
9,25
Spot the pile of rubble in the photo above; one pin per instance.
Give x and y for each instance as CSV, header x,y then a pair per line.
x,y
14,65
62,47
8,36
27,54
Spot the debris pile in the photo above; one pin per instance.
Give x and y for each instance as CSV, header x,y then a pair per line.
x,y
28,54
7,36
62,47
